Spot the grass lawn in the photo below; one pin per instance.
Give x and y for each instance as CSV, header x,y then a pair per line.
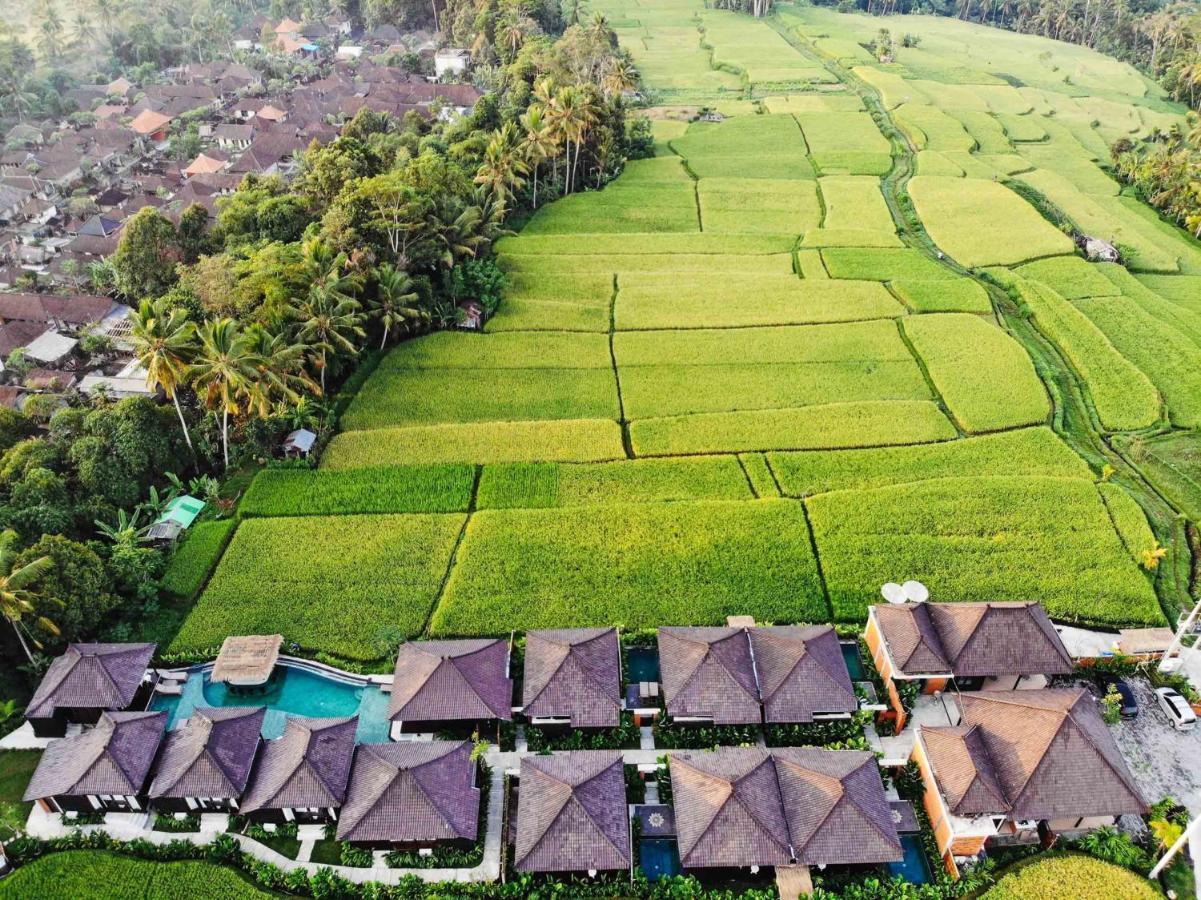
x,y
1070,875
16,768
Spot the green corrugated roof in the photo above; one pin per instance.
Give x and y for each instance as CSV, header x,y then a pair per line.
x,y
182,510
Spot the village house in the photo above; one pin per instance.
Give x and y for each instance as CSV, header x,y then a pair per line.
x,y
205,764
451,61
302,775
103,769
1021,767
450,686
934,647
88,680
572,678
412,796
572,814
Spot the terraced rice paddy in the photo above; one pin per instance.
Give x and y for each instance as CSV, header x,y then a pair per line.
x,y
738,379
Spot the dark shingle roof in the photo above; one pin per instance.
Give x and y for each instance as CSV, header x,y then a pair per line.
x,y
572,814
452,681
91,676
211,755
964,770
573,672
1050,753
745,806
112,758
309,765
708,672
801,672
411,791
973,639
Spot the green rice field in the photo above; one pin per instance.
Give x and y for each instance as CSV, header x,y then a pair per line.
x,y
830,339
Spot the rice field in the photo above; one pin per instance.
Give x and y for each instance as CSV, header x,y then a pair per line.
x,y
731,382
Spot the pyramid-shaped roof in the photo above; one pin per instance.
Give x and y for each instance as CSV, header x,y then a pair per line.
x,y
572,814
573,673
452,681
411,791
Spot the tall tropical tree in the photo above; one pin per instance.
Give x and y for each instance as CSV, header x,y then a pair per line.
x,y
394,305
504,166
328,322
225,371
16,596
537,145
164,342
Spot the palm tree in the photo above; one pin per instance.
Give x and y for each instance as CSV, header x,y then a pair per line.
x,y
328,321
503,165
325,269
537,144
85,32
165,343
16,596
281,374
394,301
225,369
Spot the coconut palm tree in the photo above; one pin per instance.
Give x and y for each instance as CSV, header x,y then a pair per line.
x,y
281,374
16,596
164,342
538,144
327,321
394,302
224,371
503,165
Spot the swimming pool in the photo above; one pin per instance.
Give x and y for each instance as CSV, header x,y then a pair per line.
x,y
293,690
850,654
642,664
659,858
913,867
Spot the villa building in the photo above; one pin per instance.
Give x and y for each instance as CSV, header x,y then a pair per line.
x,y
87,680
205,764
1020,767
461,687
963,647
102,769
572,678
302,775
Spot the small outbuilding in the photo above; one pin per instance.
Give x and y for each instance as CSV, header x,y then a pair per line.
x,y
299,443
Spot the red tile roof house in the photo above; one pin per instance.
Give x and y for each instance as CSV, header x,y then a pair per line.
x,y
104,768
301,776
1018,767
87,680
967,646
458,687
745,807
745,676
205,764
572,814
412,795
572,679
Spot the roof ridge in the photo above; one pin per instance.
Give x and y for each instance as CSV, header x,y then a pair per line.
x,y
453,661
709,654
770,758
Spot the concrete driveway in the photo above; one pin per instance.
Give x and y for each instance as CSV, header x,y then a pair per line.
x,y
1164,761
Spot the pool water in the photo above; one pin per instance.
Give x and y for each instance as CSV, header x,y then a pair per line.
x,y
292,691
642,664
660,858
850,654
913,867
